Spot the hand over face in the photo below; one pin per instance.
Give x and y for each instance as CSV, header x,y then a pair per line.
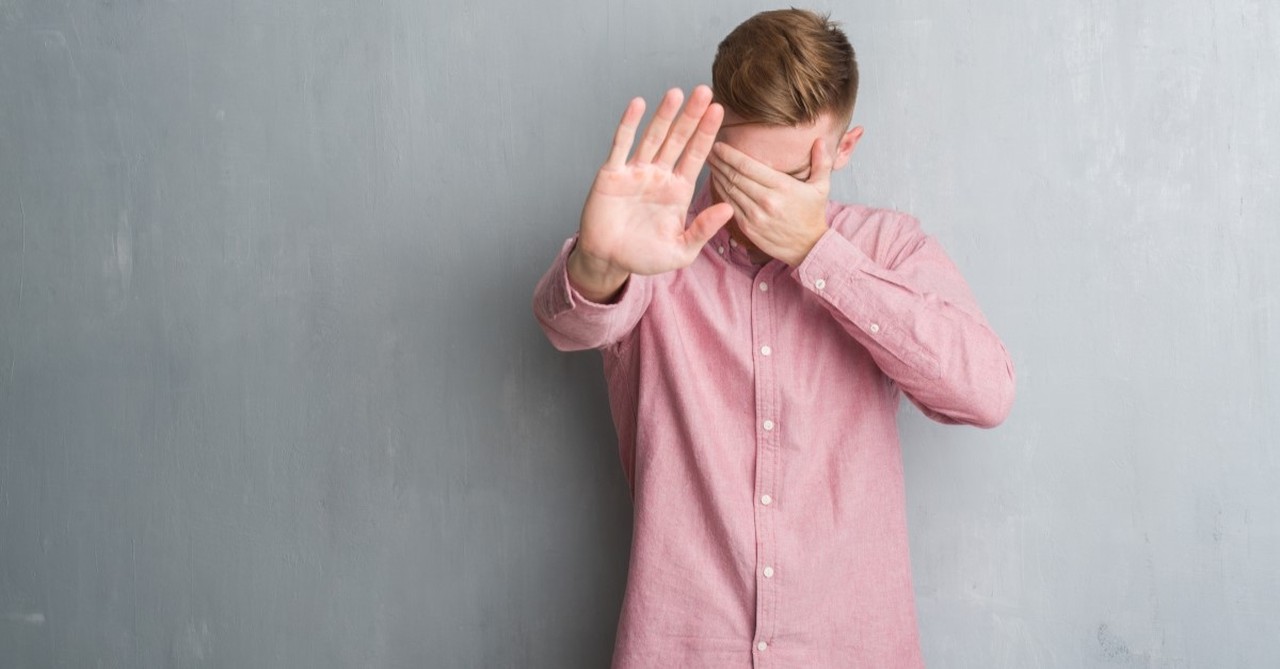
x,y
782,215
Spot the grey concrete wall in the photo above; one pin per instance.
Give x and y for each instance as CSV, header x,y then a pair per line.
x,y
271,394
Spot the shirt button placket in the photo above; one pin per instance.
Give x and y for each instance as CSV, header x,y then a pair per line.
x,y
769,427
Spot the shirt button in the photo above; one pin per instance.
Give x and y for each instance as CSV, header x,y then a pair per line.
x,y
764,287
819,284
762,646
768,572
733,243
766,500
765,350
720,250
768,425
874,328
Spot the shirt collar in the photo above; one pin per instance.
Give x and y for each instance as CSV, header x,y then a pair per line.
x,y
721,243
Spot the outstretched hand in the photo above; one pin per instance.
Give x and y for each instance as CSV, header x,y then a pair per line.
x,y
633,221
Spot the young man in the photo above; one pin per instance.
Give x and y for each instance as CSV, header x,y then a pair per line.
x,y
756,339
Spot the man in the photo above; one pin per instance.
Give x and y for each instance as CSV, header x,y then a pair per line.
x,y
756,340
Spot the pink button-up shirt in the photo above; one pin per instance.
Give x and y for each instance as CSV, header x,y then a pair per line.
x,y
755,409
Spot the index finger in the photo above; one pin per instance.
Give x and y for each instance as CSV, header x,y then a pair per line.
x,y
695,154
747,166
684,127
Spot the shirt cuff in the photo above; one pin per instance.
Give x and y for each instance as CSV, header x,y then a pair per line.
x,y
830,265
563,297
872,299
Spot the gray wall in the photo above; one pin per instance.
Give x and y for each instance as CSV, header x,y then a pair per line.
x,y
271,394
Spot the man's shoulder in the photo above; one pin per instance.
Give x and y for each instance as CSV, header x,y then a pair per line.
x,y
883,234
851,218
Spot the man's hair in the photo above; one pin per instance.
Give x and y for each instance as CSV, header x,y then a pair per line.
x,y
786,67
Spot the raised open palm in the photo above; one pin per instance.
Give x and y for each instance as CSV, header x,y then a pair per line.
x,y
634,217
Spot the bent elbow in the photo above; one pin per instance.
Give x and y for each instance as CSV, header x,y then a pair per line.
x,y
564,340
995,400
992,415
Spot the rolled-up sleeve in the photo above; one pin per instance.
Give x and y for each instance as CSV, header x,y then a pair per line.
x,y
918,319
574,323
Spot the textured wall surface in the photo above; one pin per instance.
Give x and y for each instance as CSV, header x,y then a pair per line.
x,y
271,394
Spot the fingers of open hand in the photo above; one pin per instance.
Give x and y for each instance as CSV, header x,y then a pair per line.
x,y
684,127
658,126
695,154
625,134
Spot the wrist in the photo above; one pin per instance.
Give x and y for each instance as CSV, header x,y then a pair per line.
x,y
810,241
596,279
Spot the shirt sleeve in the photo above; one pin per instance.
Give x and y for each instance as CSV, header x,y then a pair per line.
x,y
574,323
920,322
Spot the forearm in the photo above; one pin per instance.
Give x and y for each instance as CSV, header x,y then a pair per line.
x,y
937,347
572,320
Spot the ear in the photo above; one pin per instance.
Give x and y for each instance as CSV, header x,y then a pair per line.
x,y
844,148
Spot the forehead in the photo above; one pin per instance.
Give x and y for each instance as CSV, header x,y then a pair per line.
x,y
780,147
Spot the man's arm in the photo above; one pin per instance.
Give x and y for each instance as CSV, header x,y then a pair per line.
x,y
633,224
915,314
572,320
917,317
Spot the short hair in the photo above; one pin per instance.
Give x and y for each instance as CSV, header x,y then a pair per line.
x,y
786,67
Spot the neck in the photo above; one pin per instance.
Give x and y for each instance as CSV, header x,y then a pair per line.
x,y
757,256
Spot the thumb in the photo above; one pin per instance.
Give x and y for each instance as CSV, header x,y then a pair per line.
x,y
707,224
819,162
